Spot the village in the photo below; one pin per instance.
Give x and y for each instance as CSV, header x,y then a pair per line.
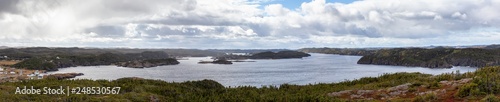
x,y
9,74
13,75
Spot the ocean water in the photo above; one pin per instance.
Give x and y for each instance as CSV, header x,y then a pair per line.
x,y
318,68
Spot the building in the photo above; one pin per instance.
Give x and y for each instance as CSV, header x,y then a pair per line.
x,y
35,75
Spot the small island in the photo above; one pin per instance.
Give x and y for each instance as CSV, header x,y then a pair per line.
x,y
61,76
218,61
279,55
266,55
148,63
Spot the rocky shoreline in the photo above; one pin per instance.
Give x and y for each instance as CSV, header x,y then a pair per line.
x,y
61,76
219,61
148,63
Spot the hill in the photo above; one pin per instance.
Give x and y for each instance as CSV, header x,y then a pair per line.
x,y
434,58
405,87
340,51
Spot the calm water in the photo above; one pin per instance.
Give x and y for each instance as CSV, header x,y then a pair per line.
x,y
319,68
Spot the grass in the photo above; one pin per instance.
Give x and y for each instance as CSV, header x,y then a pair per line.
x,y
482,87
8,62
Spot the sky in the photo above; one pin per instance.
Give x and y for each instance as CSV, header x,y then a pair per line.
x,y
248,24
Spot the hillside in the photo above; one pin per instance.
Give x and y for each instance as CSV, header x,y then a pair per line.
x,y
340,51
405,87
53,61
434,58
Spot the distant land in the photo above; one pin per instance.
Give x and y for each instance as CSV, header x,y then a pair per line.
x,y
430,57
52,58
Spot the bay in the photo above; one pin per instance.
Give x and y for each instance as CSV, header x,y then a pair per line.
x,y
318,68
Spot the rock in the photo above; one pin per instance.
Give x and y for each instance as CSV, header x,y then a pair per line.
x,y
466,80
426,92
354,96
395,93
340,93
444,82
219,61
222,61
363,92
399,87
61,76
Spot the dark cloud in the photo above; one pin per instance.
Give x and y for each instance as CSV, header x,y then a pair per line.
x,y
179,18
262,30
366,31
8,6
108,31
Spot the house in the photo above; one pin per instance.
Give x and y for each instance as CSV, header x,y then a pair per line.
x,y
35,75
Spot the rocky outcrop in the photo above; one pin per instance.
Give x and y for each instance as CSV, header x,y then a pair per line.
x,y
63,76
148,63
219,61
403,90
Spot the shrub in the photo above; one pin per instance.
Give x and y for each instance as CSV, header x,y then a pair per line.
x,y
426,98
490,98
468,90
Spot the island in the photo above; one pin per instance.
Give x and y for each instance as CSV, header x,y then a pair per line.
x,y
266,55
148,63
217,61
279,55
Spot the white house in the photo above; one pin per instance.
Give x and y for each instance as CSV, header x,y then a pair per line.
x,y
35,75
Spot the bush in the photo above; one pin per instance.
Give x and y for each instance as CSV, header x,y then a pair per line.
x,y
468,90
490,98
426,98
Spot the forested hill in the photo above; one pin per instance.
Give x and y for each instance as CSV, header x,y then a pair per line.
x,y
434,58
52,63
30,52
268,55
50,59
340,51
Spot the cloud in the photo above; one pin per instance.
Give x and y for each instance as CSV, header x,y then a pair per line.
x,y
8,6
244,24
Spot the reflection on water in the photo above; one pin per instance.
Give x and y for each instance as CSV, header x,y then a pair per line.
x,y
319,68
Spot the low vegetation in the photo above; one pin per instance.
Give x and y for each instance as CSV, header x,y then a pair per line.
x,y
471,86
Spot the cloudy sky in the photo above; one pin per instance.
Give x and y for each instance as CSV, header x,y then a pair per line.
x,y
248,23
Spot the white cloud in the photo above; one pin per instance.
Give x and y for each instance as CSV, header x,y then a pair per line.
x,y
242,24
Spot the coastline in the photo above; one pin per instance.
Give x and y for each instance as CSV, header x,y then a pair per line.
x,y
189,70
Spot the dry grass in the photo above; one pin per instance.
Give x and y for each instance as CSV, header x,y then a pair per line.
x,y
8,62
